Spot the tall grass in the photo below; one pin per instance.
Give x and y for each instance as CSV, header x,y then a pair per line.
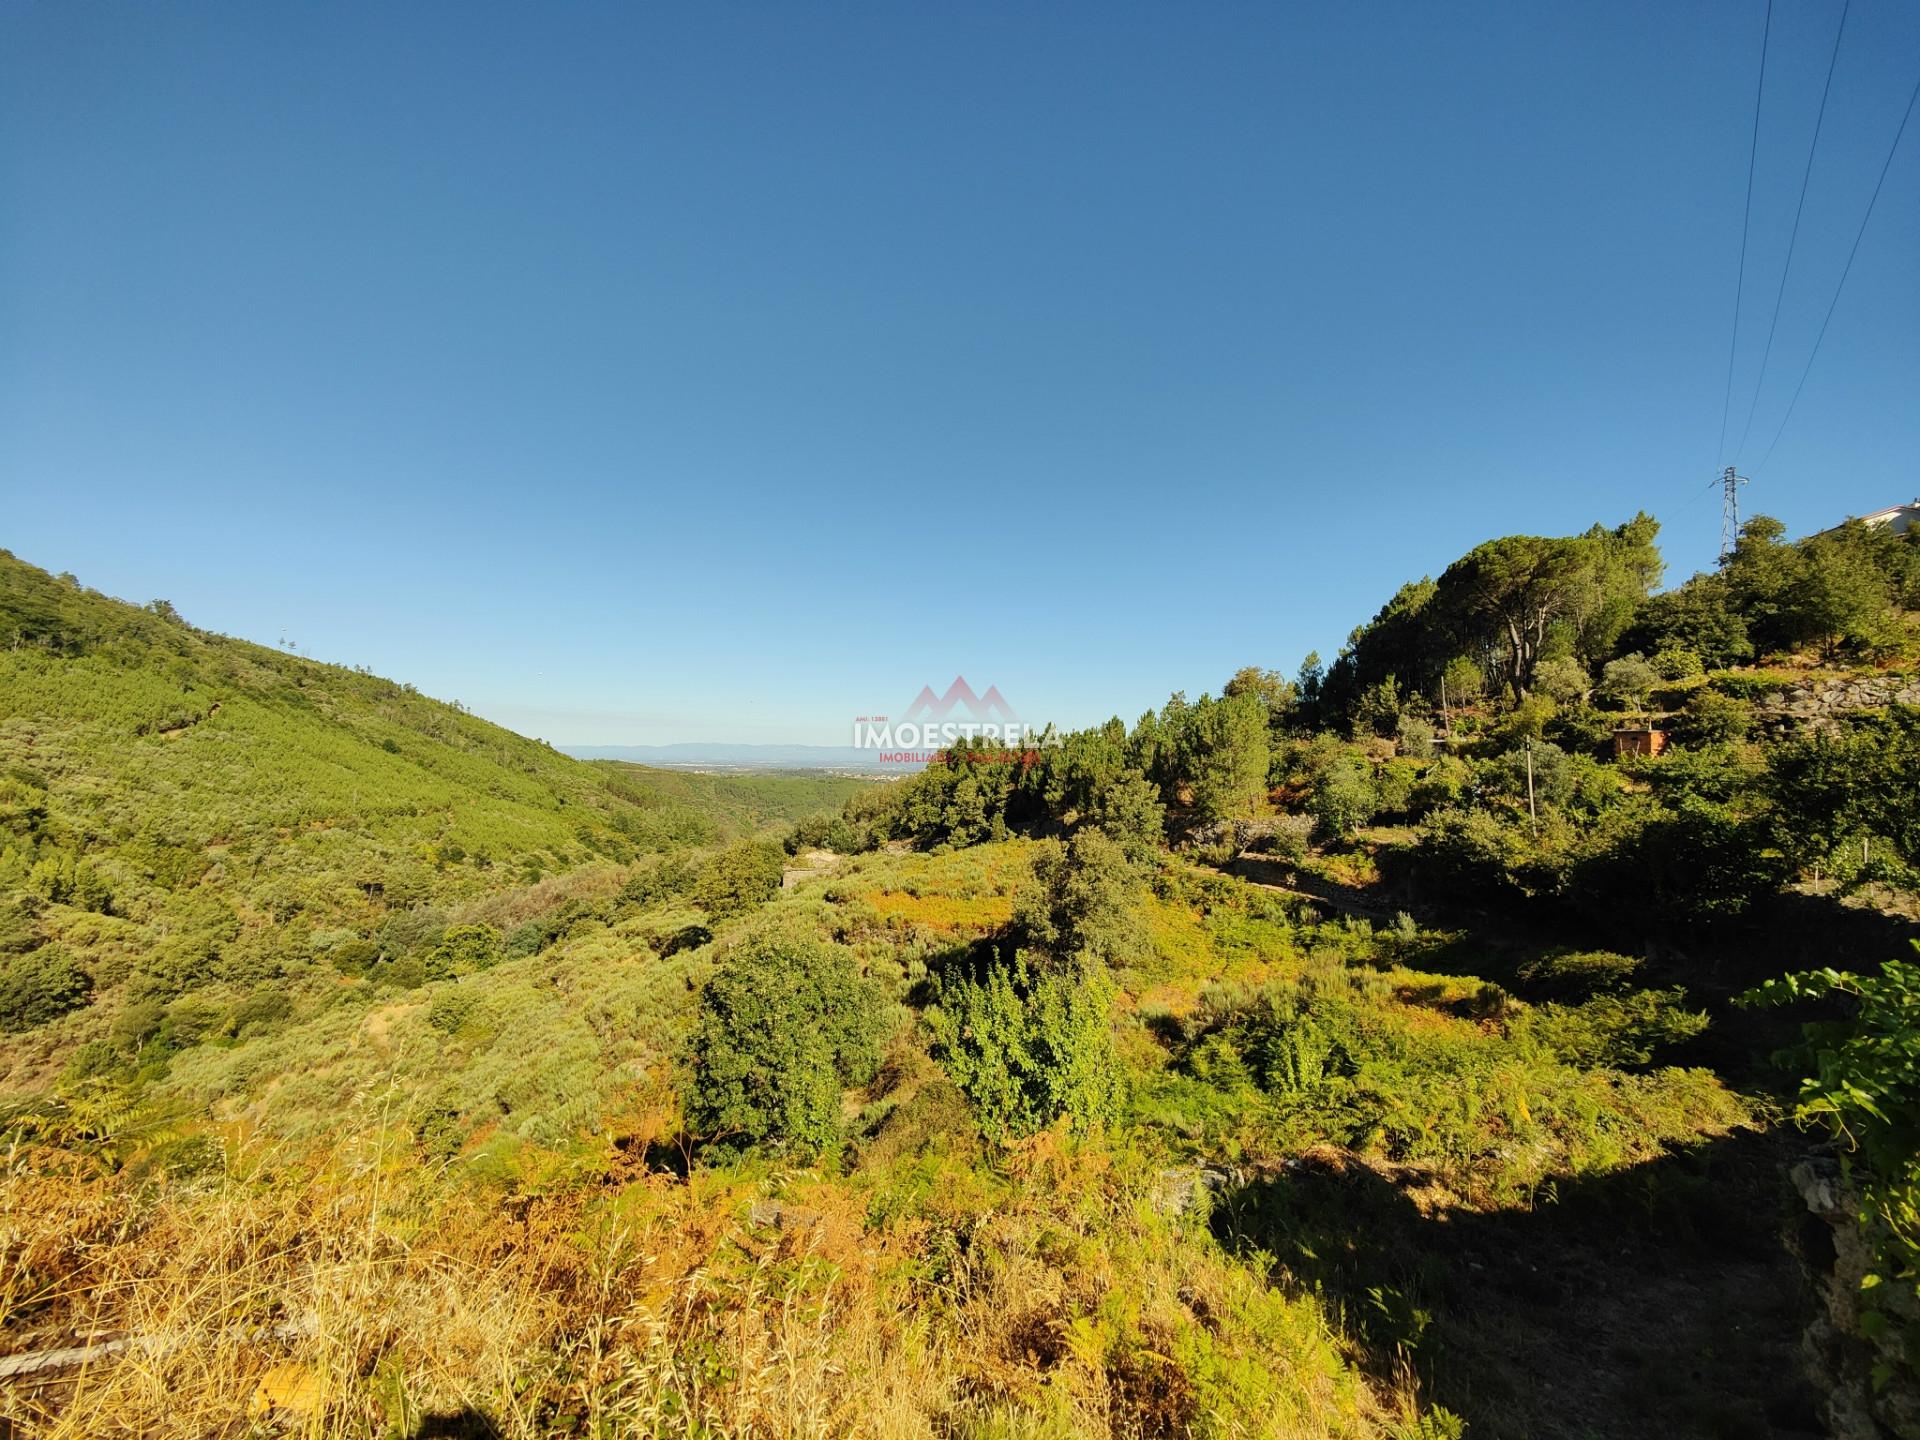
x,y
359,1294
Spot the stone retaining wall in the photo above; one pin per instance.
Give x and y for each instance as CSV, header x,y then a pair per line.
x,y
1821,704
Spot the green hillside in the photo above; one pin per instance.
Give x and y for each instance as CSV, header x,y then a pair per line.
x,y
179,809
1330,1057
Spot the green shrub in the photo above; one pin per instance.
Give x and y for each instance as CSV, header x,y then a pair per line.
x,y
1578,974
668,879
354,957
187,1022
40,986
1582,730
1713,718
1562,678
541,931
1444,783
468,949
739,878
1128,809
409,972
1612,1030
454,1009
65,879
1830,791
1697,861
1393,785
1751,684
1863,1087
1676,662
1028,1042
1343,796
1529,718
1379,708
262,1010
1415,736
1077,901
785,1024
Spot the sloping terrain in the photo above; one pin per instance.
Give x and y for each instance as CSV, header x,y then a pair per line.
x,y
375,1072
180,811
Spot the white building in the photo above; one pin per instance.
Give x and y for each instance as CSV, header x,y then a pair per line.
x,y
1897,518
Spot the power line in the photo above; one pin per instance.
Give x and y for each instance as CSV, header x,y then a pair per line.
x,y
1794,238
1886,165
1746,219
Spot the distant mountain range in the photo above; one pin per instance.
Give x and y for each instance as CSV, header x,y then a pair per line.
x,y
697,755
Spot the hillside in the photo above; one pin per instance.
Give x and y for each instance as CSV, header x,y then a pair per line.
x,y
181,810
1330,1057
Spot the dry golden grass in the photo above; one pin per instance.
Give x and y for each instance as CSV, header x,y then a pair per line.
x,y
364,1294
969,915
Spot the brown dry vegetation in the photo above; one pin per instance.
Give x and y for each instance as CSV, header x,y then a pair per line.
x,y
364,1296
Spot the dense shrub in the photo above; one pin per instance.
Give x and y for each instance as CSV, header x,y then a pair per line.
x,y
1581,730
1028,1041
454,1009
1078,901
353,957
1024,1028
1415,737
536,934
467,949
785,1024
1578,974
739,878
1676,662
1612,1030
1713,718
40,986
1443,783
1128,809
1343,797
1830,790
263,1010
65,879
1698,861
1471,854
1562,678
1751,685
1225,755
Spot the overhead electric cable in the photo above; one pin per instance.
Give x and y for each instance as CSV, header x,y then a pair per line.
x,y
1793,239
1746,219
1886,165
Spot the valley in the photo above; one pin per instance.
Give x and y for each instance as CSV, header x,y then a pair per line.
x,y
1301,1061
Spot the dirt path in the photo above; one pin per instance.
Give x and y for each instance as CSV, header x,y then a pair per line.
x,y
1340,899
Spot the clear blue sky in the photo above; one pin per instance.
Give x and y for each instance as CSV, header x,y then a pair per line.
x,y
721,372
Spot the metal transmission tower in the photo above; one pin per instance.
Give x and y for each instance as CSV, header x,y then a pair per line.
x,y
1729,511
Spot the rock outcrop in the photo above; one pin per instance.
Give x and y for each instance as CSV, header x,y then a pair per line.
x,y
1838,1253
1822,704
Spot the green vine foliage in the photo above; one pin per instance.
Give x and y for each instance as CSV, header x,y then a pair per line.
x,y
1864,1088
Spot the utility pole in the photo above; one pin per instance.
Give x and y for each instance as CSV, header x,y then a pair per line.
x,y
1533,814
1729,511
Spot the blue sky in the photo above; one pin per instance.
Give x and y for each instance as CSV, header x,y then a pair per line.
x,y
643,374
